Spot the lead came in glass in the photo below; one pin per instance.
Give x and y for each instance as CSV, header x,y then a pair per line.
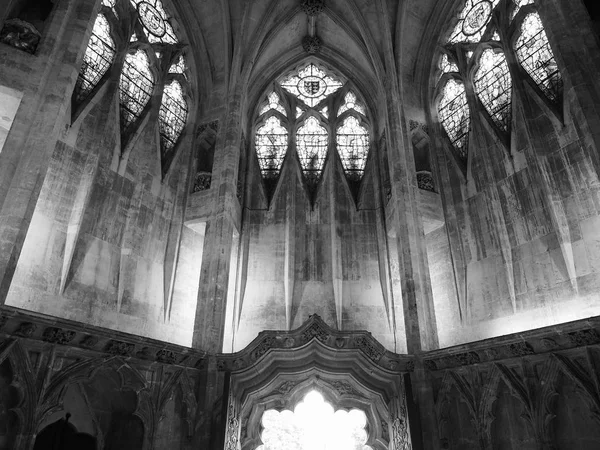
x,y
353,147
536,57
273,102
494,87
98,57
311,84
172,116
135,87
455,115
311,142
271,142
350,102
155,21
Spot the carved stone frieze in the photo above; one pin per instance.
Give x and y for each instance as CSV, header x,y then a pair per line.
x,y
118,348
26,329
521,349
58,335
20,34
166,356
369,348
344,388
584,337
315,331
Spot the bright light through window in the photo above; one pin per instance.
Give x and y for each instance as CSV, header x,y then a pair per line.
x,y
314,426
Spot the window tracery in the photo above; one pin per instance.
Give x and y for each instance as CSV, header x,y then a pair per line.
x,y
273,102
271,141
535,55
311,143
311,84
353,147
178,66
314,425
156,22
172,115
99,56
483,24
135,87
494,87
350,102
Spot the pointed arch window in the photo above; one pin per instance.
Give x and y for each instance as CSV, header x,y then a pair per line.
x,y
353,147
99,56
273,102
472,21
172,115
271,142
135,87
350,102
494,86
535,55
455,116
311,142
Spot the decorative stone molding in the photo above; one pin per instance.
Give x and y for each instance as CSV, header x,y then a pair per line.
x,y
20,34
214,126
312,7
26,329
202,181
425,181
315,329
312,44
58,336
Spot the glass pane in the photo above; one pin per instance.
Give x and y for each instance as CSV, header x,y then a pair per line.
x,y
155,21
353,147
518,5
494,87
273,102
311,84
536,57
271,141
135,87
172,115
299,112
311,142
446,65
325,112
350,102
178,66
98,57
455,115
314,426
472,21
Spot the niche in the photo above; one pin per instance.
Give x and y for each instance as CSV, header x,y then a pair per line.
x,y
204,160
25,24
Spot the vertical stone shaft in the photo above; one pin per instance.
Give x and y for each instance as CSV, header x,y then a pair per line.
x,y
214,277
45,102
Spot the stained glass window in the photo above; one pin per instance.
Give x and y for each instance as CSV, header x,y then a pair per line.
x,y
311,143
178,66
350,102
446,65
353,147
518,5
109,3
172,115
311,84
536,57
271,142
273,102
455,115
473,20
325,112
155,21
314,425
135,87
494,86
97,59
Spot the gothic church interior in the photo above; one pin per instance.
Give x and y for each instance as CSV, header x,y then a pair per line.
x,y
300,224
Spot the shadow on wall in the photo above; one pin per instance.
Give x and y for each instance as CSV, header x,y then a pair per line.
x,y
63,435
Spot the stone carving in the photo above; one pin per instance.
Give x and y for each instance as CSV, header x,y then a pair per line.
x,y
315,331
521,349
289,342
385,431
369,349
232,426
202,181
400,431
312,44
469,358
166,356
549,344
285,387
425,181
265,345
89,341
344,388
584,337
26,329
340,342
430,365
118,348
58,336
312,7
410,366
221,365
20,34
238,364
214,125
